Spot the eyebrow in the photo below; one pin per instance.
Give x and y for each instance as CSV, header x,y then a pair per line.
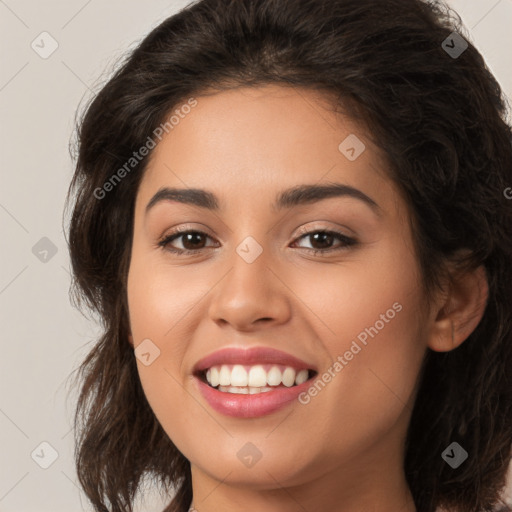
x,y
296,196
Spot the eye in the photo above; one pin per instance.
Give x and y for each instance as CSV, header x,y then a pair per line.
x,y
323,238
193,241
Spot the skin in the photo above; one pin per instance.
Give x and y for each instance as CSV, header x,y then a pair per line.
x,y
344,450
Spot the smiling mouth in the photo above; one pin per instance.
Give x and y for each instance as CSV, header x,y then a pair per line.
x,y
253,379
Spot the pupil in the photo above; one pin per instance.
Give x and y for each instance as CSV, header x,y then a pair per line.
x,y
190,237
329,237
322,238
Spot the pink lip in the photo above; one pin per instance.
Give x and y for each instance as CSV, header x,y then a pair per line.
x,y
246,405
250,406
255,355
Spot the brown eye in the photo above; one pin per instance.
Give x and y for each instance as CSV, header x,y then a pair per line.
x,y
194,241
191,241
322,241
325,240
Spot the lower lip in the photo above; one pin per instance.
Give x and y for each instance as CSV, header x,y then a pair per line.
x,y
250,406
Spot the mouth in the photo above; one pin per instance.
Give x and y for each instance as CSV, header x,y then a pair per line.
x,y
253,379
251,382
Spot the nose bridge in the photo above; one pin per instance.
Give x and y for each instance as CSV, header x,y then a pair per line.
x,y
250,291
249,279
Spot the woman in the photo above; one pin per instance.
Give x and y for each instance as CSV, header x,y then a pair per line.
x,y
292,219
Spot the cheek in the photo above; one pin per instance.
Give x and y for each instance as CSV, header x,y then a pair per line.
x,y
159,298
369,319
161,302
376,381
155,315
377,289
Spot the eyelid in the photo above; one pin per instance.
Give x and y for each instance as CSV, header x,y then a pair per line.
x,y
302,230
308,229
346,241
182,229
185,228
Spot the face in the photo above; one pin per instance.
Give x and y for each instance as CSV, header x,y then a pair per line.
x,y
278,287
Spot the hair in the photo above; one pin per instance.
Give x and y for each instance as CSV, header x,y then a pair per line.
x,y
441,123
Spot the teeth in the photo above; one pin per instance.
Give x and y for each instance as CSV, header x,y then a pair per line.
x,y
289,377
274,376
257,376
253,379
254,391
244,391
302,376
239,376
224,376
214,376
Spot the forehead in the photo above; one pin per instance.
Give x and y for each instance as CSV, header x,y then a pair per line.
x,y
252,142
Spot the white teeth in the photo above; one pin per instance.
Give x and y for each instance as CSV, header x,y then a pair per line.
x,y
224,376
244,391
253,379
289,377
257,376
214,376
274,376
238,376
302,376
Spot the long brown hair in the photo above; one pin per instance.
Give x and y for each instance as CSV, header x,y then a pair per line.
x,y
440,120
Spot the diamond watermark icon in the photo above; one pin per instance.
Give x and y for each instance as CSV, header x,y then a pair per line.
x,y
249,249
249,455
146,352
352,147
454,455
454,45
44,455
44,45
44,250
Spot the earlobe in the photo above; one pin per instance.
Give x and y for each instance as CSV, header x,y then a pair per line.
x,y
462,311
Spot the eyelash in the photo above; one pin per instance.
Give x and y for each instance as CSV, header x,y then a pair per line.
x,y
346,241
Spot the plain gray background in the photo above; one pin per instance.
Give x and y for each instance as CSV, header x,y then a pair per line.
x,y
43,338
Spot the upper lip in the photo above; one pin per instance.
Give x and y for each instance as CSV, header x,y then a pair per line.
x,y
254,355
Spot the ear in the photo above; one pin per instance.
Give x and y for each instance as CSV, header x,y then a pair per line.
x,y
459,311
130,339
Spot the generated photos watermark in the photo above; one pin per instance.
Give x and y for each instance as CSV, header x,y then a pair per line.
x,y
344,359
143,151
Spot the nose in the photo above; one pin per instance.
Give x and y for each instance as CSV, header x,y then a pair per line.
x,y
250,296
